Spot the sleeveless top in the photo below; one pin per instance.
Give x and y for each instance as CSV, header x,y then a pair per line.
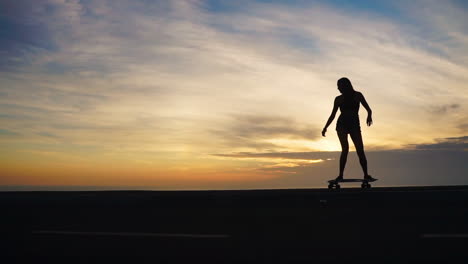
x,y
348,120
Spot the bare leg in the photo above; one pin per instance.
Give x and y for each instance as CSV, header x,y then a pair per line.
x,y
344,151
359,145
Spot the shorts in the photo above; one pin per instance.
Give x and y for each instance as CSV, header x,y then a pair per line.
x,y
348,124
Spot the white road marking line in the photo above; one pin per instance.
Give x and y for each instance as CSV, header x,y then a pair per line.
x,y
129,234
444,235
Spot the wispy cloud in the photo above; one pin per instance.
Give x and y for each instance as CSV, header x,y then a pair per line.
x,y
259,131
444,109
6,132
281,155
454,143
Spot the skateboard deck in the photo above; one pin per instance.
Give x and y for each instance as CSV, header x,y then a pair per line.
x,y
348,180
334,184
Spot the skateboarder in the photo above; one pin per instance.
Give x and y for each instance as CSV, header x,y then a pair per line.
x,y
348,123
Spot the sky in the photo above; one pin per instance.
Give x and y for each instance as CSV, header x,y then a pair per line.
x,y
187,94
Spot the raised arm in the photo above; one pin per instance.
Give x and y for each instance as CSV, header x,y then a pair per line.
x,y
332,116
367,107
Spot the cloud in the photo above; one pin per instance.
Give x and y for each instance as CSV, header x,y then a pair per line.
x,y
452,143
6,132
463,126
271,126
281,163
29,29
443,109
253,130
47,134
282,155
445,144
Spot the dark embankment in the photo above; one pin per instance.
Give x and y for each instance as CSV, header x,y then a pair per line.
x,y
381,225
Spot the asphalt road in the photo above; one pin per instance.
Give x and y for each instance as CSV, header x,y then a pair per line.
x,y
384,225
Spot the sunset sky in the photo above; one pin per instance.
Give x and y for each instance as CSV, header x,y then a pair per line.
x,y
127,94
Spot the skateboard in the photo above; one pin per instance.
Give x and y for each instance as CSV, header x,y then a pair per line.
x,y
333,184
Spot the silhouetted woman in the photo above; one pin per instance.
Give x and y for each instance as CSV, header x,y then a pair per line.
x,y
348,123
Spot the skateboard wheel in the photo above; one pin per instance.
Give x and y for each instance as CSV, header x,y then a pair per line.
x,y
337,186
330,186
365,185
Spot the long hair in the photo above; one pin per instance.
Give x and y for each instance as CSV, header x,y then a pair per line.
x,y
345,87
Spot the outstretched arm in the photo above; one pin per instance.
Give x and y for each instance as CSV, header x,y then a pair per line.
x,y
367,107
332,116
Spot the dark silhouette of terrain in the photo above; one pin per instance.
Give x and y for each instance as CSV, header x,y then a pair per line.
x,y
379,225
